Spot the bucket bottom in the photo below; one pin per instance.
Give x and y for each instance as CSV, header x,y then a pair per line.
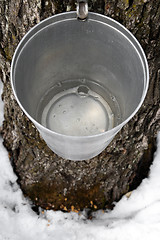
x,y
78,109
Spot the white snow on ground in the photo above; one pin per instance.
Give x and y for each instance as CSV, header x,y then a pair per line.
x,y
136,217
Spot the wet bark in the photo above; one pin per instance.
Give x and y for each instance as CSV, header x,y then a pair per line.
x,y
50,181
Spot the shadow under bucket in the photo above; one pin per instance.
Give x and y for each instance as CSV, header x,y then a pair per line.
x,y
79,82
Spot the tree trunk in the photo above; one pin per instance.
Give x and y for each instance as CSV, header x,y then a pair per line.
x,y
48,180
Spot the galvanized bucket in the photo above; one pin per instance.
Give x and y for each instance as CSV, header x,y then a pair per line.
x,y
79,81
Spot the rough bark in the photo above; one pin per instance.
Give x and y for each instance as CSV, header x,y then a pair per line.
x,y
49,180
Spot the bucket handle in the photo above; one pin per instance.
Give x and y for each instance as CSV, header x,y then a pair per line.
x,y
82,9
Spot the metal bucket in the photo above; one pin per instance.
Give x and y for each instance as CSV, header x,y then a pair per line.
x,y
79,82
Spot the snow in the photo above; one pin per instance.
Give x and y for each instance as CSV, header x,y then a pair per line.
x,y
135,217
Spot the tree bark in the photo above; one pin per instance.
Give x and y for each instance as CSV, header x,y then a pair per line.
x,y
48,180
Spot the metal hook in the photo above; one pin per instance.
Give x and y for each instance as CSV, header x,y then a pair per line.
x,y
82,9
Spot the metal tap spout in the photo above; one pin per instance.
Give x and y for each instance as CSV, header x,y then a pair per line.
x,y
82,9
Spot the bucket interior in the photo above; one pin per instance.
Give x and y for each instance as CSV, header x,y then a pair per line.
x,y
78,78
